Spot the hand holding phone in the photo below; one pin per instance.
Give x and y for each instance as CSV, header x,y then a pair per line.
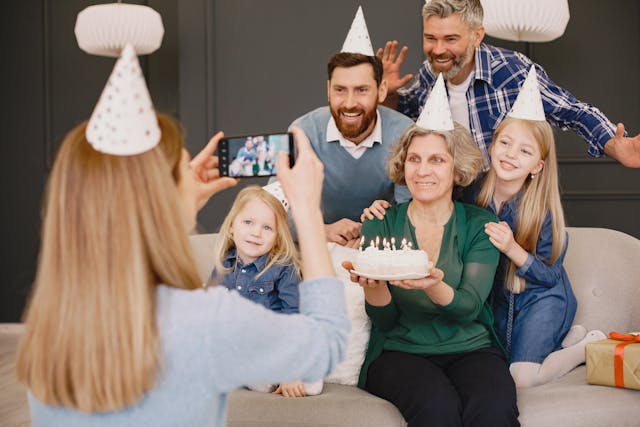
x,y
253,155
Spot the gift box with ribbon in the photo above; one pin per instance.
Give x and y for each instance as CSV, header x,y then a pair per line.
x,y
615,361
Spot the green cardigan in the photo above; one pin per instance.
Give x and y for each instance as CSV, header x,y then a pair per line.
x,y
411,322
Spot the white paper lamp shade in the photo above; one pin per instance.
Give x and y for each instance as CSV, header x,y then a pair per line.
x,y
357,40
436,113
124,122
105,29
525,20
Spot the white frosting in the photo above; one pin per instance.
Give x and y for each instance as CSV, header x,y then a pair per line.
x,y
392,262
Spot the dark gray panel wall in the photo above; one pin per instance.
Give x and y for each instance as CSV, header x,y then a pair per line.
x,y
49,85
269,67
270,62
252,66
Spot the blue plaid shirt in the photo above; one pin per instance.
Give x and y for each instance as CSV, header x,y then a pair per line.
x,y
498,76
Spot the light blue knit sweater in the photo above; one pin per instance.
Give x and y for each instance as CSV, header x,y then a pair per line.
x,y
215,341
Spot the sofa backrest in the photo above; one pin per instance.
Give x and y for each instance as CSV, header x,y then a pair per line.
x,y
203,246
603,266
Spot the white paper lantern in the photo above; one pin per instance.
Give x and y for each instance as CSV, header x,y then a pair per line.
x,y
525,20
105,29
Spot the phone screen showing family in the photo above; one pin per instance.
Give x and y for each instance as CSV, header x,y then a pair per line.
x,y
255,155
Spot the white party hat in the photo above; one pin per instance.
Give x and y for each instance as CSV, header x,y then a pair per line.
x,y
436,113
358,40
276,190
124,122
528,104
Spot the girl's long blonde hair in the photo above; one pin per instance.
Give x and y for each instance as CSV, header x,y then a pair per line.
x,y
540,196
113,229
284,249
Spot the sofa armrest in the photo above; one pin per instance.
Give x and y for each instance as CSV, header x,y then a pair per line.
x,y
604,269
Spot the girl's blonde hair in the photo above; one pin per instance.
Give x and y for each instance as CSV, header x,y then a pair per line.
x,y
113,229
540,196
284,249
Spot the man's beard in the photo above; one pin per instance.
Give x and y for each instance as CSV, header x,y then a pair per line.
x,y
350,131
458,62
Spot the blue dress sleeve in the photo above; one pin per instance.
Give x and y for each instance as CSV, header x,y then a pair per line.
x,y
535,270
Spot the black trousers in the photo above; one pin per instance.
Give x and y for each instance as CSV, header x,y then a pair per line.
x,y
464,389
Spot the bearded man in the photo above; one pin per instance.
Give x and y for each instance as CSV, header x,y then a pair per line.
x,y
483,82
352,137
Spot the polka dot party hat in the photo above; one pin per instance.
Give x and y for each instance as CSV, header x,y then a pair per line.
x,y
276,190
436,113
124,121
358,40
528,104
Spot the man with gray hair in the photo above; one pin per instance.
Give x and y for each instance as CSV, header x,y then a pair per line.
x,y
483,82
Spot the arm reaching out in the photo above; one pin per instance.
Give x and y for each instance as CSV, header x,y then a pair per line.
x,y
302,185
391,63
343,231
205,168
624,149
377,209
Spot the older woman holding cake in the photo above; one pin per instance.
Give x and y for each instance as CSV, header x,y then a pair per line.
x,y
432,351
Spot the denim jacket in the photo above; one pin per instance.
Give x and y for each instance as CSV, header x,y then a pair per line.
x,y
534,270
276,288
547,302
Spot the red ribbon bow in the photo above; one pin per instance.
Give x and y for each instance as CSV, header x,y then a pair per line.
x,y
618,354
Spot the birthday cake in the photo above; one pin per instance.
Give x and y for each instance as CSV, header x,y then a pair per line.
x,y
392,262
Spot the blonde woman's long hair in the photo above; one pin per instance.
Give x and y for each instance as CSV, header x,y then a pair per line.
x,y
540,195
284,249
113,229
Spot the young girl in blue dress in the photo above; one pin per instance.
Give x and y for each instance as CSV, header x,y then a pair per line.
x,y
257,258
532,299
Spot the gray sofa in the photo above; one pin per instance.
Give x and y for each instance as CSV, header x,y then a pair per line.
x,y
604,268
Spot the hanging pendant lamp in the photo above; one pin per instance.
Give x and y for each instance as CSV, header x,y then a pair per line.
x,y
525,20
105,29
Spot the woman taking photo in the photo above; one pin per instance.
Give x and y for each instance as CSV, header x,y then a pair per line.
x,y
119,330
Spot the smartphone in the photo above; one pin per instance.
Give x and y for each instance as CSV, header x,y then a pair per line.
x,y
253,155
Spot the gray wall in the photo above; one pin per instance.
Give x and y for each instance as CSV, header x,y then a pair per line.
x,y
247,66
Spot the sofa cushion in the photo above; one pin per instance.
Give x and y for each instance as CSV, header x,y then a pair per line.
x,y
348,370
337,405
571,402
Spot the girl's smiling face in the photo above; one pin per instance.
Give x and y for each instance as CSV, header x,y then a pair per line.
x,y
254,231
515,154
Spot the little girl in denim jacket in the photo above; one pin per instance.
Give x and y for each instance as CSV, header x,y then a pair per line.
x,y
256,257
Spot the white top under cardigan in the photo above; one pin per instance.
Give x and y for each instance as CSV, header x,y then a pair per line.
x,y
214,341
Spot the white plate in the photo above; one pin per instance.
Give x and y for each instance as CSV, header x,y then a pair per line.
x,y
390,276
